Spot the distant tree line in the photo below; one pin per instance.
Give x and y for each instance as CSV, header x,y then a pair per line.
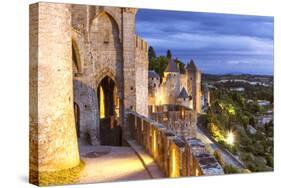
x,y
159,63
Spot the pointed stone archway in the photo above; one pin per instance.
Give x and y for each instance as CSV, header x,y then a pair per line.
x,y
110,131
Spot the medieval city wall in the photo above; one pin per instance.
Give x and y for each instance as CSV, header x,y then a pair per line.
x,y
141,61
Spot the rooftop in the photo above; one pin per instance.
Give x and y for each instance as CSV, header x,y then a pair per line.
x,y
153,74
191,65
183,94
172,67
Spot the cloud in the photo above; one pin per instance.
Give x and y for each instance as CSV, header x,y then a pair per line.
x,y
234,40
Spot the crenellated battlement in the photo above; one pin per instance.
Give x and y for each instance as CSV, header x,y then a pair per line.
x,y
141,44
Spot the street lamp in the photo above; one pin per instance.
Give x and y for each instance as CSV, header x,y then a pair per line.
x,y
230,138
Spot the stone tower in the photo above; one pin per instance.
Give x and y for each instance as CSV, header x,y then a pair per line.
x,y
194,79
53,141
183,99
171,83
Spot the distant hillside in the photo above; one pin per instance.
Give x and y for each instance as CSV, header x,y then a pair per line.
x,y
249,77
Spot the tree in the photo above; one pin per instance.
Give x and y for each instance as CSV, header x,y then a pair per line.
x,y
151,54
252,121
169,54
229,169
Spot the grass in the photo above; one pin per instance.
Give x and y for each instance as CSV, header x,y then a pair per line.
x,y
67,176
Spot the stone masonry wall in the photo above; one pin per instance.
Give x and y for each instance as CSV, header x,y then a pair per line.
x,y
174,155
141,62
129,68
104,38
51,90
195,82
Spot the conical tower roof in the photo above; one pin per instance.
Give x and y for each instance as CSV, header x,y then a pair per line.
x,y
183,94
171,67
191,65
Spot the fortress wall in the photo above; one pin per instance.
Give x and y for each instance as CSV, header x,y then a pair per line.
x,y
51,90
79,17
195,82
129,68
141,63
198,91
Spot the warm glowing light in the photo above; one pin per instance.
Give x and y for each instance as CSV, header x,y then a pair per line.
x,y
230,138
159,96
154,142
196,172
116,102
102,110
174,174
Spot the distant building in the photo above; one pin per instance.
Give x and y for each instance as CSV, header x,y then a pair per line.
x,y
251,129
183,88
206,101
263,102
194,78
240,89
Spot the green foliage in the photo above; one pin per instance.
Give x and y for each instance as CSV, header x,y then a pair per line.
x,y
159,64
253,107
229,169
252,121
151,54
203,119
215,132
231,110
269,160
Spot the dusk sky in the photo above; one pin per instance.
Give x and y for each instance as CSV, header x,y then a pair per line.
x,y
218,43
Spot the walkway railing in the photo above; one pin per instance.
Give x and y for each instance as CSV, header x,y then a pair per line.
x,y
173,155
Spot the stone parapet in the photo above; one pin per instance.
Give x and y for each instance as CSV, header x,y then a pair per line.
x,y
175,156
141,44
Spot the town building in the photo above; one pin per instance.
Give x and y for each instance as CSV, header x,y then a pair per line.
x,y
182,88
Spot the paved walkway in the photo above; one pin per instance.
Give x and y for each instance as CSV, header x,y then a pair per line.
x,y
107,163
147,160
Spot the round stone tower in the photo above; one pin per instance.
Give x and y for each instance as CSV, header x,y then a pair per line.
x,y
53,140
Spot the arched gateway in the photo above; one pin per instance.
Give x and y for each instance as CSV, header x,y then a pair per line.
x,y
109,106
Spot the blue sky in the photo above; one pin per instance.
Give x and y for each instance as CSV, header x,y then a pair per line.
x,y
218,43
